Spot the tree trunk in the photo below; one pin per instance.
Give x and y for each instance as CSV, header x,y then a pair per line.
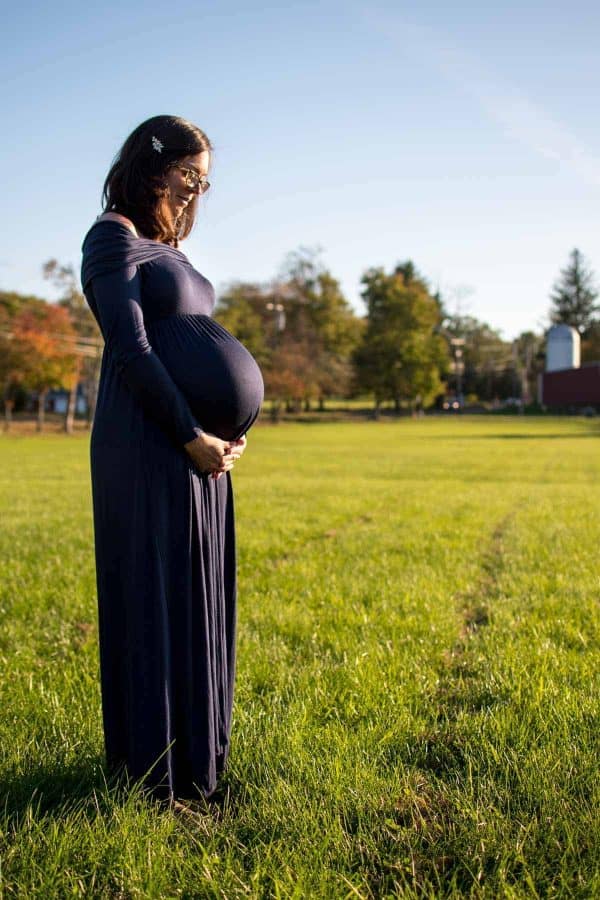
x,y
397,404
72,404
70,414
41,409
8,408
321,404
93,393
307,405
275,413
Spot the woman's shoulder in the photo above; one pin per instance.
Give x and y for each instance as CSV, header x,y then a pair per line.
x,y
113,243
110,244
117,217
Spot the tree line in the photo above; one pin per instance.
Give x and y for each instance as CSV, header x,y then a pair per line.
x,y
407,350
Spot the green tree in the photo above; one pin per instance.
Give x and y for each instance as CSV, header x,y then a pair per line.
x,y
11,302
72,298
574,295
255,314
242,309
590,343
529,357
488,362
300,328
318,313
402,355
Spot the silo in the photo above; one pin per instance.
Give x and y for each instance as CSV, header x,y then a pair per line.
x,y
563,348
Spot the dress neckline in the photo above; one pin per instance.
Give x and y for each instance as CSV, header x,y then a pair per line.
x,y
138,237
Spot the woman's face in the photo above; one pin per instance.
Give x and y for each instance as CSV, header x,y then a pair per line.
x,y
179,193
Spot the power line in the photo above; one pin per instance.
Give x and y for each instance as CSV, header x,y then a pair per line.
x,y
83,346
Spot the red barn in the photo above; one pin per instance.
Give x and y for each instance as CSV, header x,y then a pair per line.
x,y
571,387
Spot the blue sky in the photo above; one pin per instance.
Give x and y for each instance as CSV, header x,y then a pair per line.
x,y
464,138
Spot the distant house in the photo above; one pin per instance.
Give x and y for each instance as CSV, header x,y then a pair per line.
x,y
566,383
58,400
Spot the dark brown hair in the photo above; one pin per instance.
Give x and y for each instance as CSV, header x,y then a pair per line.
x,y
135,185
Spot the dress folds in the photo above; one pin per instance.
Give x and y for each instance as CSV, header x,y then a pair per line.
x,y
164,532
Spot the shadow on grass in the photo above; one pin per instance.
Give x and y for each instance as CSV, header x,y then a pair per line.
x,y
56,789
527,436
60,790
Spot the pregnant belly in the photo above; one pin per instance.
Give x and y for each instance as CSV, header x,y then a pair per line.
x,y
220,379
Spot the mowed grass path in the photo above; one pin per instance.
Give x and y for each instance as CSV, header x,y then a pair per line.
x,y
417,699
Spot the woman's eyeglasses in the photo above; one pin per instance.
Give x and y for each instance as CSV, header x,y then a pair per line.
x,y
193,180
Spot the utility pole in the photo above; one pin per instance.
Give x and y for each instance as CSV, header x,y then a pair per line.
x,y
457,345
523,368
279,310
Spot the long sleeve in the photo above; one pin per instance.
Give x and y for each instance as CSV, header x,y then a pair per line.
x,y
120,316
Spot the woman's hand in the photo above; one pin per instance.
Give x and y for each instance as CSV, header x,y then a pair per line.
x,y
210,454
240,444
237,447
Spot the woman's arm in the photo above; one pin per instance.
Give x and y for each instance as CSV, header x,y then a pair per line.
x,y
118,302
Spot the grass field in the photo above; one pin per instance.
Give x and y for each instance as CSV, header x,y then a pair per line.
x,y
417,699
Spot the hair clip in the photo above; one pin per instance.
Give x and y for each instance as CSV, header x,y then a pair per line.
x,y
157,144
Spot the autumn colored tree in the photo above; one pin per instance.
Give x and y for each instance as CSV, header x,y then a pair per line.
x,y
402,355
43,341
12,364
318,313
256,315
290,376
90,342
72,299
10,373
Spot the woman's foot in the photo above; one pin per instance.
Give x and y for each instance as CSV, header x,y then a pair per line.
x,y
192,810
199,807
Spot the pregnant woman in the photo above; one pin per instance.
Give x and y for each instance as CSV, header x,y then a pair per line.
x,y
176,398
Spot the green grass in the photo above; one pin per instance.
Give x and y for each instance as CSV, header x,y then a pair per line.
x,y
416,708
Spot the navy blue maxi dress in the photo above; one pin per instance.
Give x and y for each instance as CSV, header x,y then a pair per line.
x,y
163,531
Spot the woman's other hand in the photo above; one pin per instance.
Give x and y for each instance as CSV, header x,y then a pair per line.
x,y
236,447
210,454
